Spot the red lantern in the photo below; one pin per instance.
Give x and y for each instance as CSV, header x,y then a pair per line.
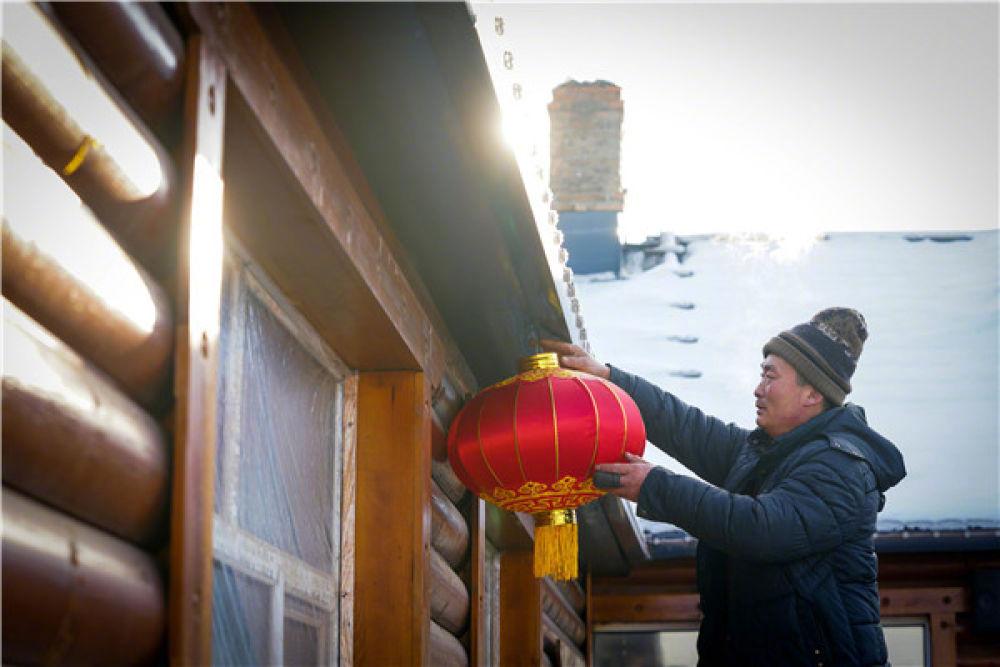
x,y
530,444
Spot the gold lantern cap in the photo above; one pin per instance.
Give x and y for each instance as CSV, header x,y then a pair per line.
x,y
539,361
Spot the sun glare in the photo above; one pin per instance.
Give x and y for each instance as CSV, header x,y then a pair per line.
x,y
205,248
41,209
27,351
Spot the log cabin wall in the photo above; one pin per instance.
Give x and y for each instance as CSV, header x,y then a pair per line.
x,y
265,288
89,327
413,600
453,562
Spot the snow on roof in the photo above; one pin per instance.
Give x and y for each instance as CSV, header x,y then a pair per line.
x,y
928,376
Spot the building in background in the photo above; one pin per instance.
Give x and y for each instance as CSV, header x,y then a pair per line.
x,y
585,172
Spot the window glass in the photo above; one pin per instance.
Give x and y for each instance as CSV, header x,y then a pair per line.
x,y
278,475
240,613
288,412
907,643
304,632
649,648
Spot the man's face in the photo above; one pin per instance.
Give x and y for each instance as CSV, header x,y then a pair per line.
x,y
782,403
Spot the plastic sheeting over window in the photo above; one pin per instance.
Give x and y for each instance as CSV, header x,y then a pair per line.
x,y
278,480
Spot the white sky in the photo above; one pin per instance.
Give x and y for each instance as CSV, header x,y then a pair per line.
x,y
782,118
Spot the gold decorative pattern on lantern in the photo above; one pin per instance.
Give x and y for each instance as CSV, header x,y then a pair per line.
x,y
533,376
538,497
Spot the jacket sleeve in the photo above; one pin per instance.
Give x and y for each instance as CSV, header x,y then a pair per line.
x,y
706,445
810,511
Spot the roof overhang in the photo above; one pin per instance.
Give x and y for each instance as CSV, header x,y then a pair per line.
x,y
408,91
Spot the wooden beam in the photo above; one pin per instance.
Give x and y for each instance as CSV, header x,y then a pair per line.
x,y
392,520
922,601
643,608
295,130
520,610
589,610
479,611
199,279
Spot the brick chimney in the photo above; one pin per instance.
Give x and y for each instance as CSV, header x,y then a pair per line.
x,y
585,122
585,139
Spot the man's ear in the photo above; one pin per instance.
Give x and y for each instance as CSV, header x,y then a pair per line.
x,y
812,397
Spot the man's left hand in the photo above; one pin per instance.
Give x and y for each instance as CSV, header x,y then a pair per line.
x,y
633,474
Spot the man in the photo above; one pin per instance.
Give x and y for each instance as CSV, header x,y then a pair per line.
x,y
785,514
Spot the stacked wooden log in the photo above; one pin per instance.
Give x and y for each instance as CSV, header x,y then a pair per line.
x,y
564,632
88,339
449,594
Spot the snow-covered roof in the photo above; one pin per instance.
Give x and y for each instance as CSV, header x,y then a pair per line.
x,y
928,376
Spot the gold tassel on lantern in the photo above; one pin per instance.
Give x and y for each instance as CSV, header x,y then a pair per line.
x,y
556,544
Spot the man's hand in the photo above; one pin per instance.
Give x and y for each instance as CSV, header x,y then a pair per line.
x,y
576,358
632,475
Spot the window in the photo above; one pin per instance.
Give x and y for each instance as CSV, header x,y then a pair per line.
x,y
907,640
672,645
278,481
676,646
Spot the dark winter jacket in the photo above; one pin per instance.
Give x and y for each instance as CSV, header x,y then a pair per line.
x,y
786,567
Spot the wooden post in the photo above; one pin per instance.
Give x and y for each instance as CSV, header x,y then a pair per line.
x,y
944,648
588,648
478,610
347,511
520,610
199,279
392,520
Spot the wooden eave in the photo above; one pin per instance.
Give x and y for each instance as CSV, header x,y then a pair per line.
x,y
409,87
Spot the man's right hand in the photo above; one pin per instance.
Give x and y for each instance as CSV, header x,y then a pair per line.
x,y
576,358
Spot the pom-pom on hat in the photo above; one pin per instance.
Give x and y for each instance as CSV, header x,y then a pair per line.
x,y
825,350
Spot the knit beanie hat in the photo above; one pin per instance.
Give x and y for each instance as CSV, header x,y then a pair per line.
x,y
824,350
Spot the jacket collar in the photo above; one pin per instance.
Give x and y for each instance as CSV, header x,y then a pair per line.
x,y
767,447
